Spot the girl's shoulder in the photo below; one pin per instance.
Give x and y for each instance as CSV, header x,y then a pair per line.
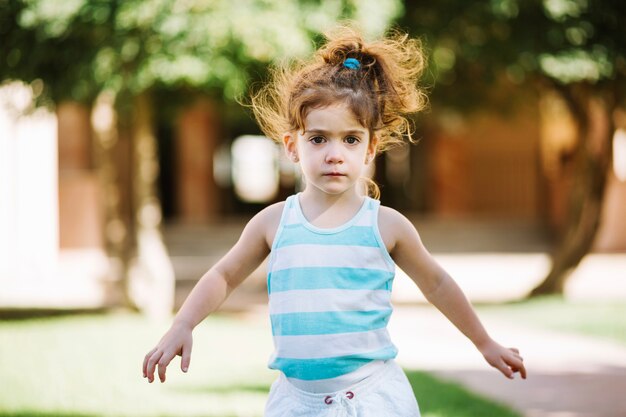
x,y
392,226
390,218
270,215
266,221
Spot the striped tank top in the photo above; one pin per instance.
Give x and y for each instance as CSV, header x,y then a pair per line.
x,y
329,299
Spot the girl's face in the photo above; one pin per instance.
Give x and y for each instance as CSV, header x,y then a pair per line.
x,y
333,150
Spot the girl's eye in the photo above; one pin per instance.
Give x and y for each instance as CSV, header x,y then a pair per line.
x,y
317,139
352,140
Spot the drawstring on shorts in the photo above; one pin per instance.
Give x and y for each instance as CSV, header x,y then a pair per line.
x,y
332,398
344,406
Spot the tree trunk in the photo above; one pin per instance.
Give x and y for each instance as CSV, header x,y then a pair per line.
x,y
593,113
127,157
113,153
150,284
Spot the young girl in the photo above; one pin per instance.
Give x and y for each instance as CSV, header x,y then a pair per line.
x,y
333,250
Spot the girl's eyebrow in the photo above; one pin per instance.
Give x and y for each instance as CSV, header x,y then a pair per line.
x,y
345,132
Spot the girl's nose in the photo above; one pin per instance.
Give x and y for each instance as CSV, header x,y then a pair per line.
x,y
334,154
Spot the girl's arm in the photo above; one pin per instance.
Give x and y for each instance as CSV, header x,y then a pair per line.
x,y
212,289
407,250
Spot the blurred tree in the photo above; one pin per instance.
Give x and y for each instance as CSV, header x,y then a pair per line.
x,y
576,48
117,54
81,47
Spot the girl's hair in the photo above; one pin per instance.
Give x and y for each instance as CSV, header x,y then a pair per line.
x,y
381,88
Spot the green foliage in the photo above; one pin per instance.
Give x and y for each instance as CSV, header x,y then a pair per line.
x,y
475,44
29,54
80,47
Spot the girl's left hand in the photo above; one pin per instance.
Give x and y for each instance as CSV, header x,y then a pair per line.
x,y
506,360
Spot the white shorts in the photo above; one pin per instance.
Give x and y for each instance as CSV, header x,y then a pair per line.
x,y
386,393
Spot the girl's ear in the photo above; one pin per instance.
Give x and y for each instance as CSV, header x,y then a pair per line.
x,y
289,144
371,149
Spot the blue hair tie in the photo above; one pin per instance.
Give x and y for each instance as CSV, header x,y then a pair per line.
x,y
352,63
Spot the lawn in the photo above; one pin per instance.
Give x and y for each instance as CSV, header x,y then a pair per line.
x,y
90,365
600,319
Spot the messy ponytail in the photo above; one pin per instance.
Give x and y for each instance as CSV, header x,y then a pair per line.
x,y
379,86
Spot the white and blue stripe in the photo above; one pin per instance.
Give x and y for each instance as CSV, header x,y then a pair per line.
x,y
329,298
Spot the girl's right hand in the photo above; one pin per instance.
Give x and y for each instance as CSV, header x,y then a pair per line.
x,y
177,341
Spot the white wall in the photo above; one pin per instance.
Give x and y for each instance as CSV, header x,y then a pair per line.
x,y
29,233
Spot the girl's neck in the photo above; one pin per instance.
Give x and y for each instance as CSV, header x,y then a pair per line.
x,y
328,210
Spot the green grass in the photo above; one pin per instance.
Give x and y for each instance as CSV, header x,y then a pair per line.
x,y
437,398
90,366
600,319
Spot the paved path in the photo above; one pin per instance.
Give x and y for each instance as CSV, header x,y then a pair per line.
x,y
568,376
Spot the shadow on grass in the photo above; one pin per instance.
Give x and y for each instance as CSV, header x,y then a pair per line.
x,y
69,414
19,314
440,398
224,389
43,414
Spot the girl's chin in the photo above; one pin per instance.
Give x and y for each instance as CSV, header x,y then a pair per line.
x,y
333,189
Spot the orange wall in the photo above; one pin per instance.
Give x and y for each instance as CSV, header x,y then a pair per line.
x,y
488,166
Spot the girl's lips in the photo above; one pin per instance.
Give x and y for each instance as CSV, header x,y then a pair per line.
x,y
334,174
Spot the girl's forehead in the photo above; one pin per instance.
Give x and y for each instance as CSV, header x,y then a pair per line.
x,y
336,115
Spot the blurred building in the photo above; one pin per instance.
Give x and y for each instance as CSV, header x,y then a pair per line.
x,y
53,204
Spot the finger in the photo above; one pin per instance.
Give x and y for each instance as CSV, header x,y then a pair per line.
x,y
186,357
517,365
163,363
522,371
145,362
515,352
504,368
514,362
156,356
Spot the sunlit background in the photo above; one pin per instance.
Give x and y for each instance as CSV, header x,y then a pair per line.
x,y
129,164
